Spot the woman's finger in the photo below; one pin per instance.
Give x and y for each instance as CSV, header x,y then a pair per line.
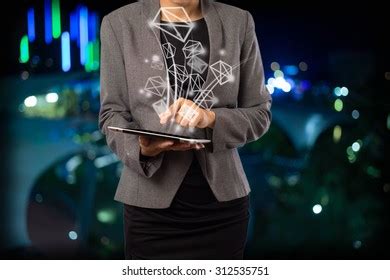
x,y
178,118
181,147
195,120
175,107
167,114
171,111
184,119
164,144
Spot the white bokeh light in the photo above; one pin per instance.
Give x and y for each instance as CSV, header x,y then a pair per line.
x,y
356,147
51,97
72,235
30,101
317,209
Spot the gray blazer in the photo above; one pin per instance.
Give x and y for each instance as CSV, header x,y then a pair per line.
x,y
243,113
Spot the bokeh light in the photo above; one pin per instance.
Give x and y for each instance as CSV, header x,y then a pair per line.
x,y
338,105
317,209
72,235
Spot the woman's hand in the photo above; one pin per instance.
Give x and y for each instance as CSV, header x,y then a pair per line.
x,y
187,113
153,146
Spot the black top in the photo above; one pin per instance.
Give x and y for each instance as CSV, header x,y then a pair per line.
x,y
192,52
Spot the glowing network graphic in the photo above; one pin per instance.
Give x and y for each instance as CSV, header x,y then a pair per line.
x,y
175,22
156,85
169,50
180,27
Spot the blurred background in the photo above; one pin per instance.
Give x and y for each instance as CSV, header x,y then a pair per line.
x,y
320,185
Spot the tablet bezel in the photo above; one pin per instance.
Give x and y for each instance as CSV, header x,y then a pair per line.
x,y
145,132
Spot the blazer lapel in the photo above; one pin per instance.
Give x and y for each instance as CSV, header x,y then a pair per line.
x,y
214,27
151,36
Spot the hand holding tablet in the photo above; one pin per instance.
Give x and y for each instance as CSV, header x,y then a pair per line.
x,y
154,146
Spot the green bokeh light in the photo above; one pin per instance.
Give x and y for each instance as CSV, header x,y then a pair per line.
x,y
338,105
56,19
24,50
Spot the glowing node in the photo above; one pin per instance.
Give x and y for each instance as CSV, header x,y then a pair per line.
x,y
231,78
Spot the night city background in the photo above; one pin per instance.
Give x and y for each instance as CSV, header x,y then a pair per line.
x,y
320,186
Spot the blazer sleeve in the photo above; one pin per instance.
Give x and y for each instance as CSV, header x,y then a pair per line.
x,y
115,106
234,127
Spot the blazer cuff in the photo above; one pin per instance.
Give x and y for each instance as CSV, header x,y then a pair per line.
x,y
217,135
146,166
151,164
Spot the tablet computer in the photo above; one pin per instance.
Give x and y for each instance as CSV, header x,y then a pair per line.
x,y
159,135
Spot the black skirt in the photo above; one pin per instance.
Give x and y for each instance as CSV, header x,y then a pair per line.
x,y
195,226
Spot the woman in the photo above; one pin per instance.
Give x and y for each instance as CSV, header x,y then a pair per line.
x,y
190,67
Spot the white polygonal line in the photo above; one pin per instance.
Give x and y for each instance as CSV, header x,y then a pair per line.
x,y
195,82
179,71
192,48
204,98
158,65
197,64
160,106
175,22
169,50
156,85
222,71
187,112
171,14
